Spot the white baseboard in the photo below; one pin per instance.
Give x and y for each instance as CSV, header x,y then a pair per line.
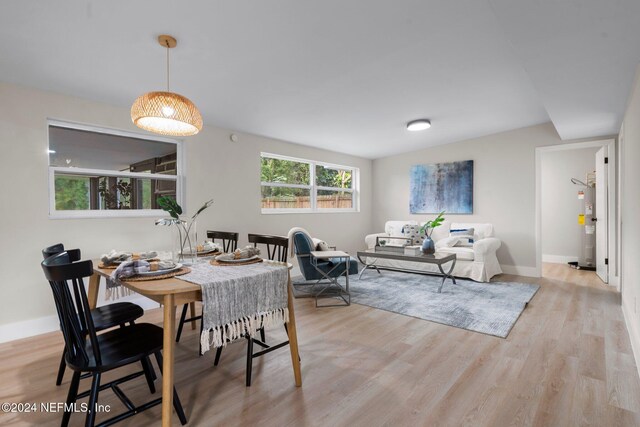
x,y
634,333
42,325
520,270
559,259
28,328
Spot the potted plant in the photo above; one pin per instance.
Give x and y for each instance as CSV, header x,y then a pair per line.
x,y
428,247
185,239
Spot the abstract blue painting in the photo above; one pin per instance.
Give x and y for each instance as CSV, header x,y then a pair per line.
x,y
442,187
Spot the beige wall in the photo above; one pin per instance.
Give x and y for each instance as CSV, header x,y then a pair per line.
x,y
629,144
561,233
216,168
504,187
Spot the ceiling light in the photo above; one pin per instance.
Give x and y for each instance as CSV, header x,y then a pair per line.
x,y
420,124
166,113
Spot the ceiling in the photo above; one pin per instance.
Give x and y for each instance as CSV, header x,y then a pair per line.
x,y
342,75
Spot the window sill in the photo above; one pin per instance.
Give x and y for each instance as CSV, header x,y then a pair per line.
x,y
125,213
306,211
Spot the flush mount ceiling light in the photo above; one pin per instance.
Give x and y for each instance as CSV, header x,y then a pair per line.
x,y
166,113
420,124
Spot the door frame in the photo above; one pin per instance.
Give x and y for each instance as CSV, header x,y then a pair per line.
x,y
612,205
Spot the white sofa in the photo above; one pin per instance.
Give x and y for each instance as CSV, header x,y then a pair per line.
x,y
477,262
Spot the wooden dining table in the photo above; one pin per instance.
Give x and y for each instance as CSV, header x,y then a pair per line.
x,y
174,292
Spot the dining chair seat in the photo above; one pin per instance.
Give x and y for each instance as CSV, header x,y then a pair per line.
x,y
116,314
119,347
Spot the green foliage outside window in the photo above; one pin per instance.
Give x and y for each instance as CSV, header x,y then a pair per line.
x,y
72,193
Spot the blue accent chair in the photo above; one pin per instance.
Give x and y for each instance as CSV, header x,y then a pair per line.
x,y
303,246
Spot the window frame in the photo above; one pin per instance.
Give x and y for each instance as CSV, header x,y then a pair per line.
x,y
179,177
313,187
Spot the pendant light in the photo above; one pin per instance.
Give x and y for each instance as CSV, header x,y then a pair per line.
x,y
166,113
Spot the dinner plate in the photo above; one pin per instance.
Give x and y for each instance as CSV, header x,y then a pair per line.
x,y
159,272
233,261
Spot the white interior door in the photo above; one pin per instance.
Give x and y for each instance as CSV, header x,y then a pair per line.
x,y
602,206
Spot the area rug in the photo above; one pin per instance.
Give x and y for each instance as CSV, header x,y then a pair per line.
x,y
489,308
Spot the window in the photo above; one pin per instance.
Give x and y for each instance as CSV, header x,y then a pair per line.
x,y
97,172
298,185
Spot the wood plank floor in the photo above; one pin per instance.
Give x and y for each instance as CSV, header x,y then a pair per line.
x,y
567,362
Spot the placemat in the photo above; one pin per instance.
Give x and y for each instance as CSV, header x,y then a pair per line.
x,y
180,272
253,261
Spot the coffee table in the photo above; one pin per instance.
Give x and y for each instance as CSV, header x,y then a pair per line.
x,y
371,256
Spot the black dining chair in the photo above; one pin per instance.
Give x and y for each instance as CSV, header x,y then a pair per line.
x,y
104,317
276,245
88,352
229,241
277,250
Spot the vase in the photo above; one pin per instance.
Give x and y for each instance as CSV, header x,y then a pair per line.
x,y
428,247
185,241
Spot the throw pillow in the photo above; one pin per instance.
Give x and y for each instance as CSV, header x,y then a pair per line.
x,y
412,231
322,246
447,242
464,235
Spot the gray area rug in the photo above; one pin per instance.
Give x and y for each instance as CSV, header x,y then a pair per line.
x,y
490,308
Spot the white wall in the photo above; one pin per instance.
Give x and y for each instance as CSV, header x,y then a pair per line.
x,y
629,143
561,233
216,168
504,188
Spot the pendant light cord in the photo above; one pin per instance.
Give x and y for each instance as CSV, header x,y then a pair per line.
x,y
168,66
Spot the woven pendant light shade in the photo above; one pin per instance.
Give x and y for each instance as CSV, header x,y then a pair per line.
x,y
166,113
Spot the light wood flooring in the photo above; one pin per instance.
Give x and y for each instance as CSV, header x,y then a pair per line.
x,y
567,362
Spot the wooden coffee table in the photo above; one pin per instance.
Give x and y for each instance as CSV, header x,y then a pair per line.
x,y
371,256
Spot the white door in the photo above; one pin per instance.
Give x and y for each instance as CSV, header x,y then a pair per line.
x,y
602,204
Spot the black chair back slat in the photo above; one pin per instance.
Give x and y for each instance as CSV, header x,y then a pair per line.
x,y
277,246
74,311
229,239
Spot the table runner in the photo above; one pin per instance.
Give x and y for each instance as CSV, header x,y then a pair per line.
x,y
239,300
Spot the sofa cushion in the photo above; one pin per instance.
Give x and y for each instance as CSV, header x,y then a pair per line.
x,y
462,253
441,231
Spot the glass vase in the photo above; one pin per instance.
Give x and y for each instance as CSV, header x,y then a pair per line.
x,y
185,241
428,247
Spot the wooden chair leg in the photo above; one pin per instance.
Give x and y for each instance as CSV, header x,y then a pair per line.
x,y
62,367
148,373
71,397
181,325
262,336
177,405
249,360
93,400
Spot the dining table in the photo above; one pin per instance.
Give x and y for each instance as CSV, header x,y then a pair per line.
x,y
171,293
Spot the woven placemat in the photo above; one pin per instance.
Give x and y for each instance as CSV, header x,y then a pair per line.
x,y
226,264
180,272
107,267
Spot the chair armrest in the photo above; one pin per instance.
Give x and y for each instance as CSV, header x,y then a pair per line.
x,y
370,240
485,246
